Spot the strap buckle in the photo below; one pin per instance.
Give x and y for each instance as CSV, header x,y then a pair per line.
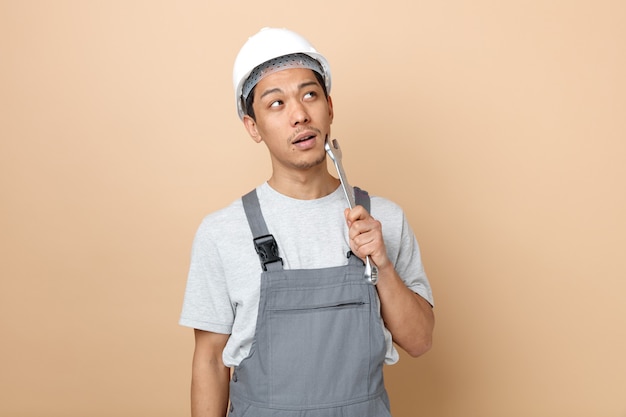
x,y
267,249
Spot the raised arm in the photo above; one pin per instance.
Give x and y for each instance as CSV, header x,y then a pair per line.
x,y
408,316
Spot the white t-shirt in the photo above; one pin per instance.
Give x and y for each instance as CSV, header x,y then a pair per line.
x,y
222,293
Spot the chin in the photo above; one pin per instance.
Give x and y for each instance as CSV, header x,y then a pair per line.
x,y
312,164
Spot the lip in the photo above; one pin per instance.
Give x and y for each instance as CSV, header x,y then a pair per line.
x,y
302,137
305,140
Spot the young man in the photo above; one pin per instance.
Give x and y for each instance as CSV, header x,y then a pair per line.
x,y
276,289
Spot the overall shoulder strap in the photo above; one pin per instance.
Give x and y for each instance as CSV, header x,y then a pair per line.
x,y
362,198
253,213
264,243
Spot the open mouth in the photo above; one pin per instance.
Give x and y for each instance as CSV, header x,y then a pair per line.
x,y
304,139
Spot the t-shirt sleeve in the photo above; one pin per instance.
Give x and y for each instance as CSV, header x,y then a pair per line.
x,y
402,247
206,304
409,263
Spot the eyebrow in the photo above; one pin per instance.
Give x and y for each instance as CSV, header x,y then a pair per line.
x,y
278,90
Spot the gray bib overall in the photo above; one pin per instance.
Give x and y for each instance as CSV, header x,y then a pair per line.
x,y
319,347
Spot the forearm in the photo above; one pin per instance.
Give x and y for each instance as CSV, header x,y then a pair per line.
x,y
209,386
408,316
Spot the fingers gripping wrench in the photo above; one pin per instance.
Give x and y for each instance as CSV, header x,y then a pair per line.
x,y
334,151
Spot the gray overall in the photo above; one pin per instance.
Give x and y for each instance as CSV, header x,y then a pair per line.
x,y
319,347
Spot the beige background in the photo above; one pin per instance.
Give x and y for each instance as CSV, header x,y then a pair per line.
x,y
498,125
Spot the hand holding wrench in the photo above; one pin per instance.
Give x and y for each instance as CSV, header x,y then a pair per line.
x,y
334,151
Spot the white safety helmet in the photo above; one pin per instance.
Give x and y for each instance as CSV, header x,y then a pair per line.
x,y
266,45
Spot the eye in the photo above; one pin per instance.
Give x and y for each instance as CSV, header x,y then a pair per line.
x,y
310,94
276,103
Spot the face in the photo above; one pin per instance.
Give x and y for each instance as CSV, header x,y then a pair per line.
x,y
293,118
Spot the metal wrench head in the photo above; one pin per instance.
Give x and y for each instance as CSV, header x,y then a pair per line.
x,y
334,151
371,271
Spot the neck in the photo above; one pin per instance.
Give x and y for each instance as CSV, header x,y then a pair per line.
x,y
304,187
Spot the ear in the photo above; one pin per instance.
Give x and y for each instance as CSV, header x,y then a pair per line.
x,y
251,127
331,112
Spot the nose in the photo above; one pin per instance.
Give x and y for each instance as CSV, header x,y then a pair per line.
x,y
299,115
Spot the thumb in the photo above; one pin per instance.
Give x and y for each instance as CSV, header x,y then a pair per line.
x,y
346,213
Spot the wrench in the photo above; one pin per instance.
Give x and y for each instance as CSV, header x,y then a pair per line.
x,y
334,151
